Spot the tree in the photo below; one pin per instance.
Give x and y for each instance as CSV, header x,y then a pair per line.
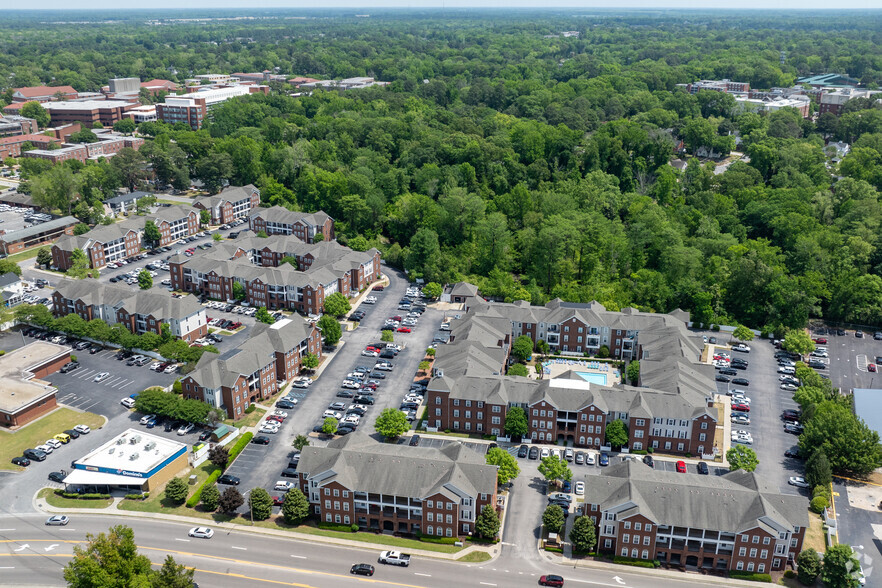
x,y
516,422
145,280
817,469
554,468
44,257
330,328
217,237
214,170
329,426
260,504
125,126
386,336
7,266
633,372
851,447
151,233
230,500
300,441
809,566
295,509
239,291
310,361
742,458
424,366
517,369
204,217
798,341
553,518
176,490
583,535
36,111
79,265
130,166
292,261
487,524
424,255
172,574
108,560
432,290
617,433
391,423
522,348
262,315
507,464
79,229
742,333
219,455
210,498
337,305
83,136
840,567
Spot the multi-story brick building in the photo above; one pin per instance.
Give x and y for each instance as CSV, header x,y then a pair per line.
x,y
103,244
736,522
140,312
13,125
281,221
254,370
89,112
232,203
175,222
255,263
833,102
193,108
397,488
11,146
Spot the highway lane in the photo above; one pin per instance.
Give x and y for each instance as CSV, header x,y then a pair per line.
x,y
32,554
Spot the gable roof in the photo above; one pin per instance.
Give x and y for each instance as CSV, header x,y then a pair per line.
x,y
40,91
281,215
230,193
8,279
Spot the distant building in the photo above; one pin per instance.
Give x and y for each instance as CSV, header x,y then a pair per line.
x,y
146,113
11,146
193,108
830,80
726,86
296,82
43,233
108,145
13,124
43,93
281,221
232,203
125,85
833,102
800,103
89,112
11,289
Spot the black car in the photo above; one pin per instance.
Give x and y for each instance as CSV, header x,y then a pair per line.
x,y
204,435
817,365
285,404
794,453
791,415
344,394
414,441
345,429
859,334
377,375
124,354
57,477
228,479
21,461
840,332
523,450
362,569
289,473
387,354
702,468
364,400
647,459
171,425
95,349
35,454
722,378
739,366
534,453
261,440
728,372
741,381
72,433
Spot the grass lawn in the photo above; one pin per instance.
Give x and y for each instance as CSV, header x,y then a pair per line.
x,y
22,255
814,535
475,557
249,420
48,494
157,502
377,539
36,433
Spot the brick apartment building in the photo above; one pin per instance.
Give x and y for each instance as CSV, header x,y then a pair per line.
x,y
281,221
175,222
11,146
102,245
107,146
232,203
833,102
736,522
14,124
438,492
140,312
256,368
16,241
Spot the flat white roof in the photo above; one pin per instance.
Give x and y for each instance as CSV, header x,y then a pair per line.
x,y
132,451
567,383
87,478
85,105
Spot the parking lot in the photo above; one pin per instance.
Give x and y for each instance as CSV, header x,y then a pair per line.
x,y
14,219
849,357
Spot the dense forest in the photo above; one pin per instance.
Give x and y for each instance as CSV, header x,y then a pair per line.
x,y
532,164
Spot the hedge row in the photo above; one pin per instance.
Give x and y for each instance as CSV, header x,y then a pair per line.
x,y
138,496
76,495
353,528
212,478
639,563
239,446
749,576
438,540
553,549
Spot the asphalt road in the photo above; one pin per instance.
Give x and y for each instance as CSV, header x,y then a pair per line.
x,y
32,554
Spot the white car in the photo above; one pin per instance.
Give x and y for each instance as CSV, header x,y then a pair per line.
x,y
740,419
589,458
742,347
786,370
789,387
280,413
580,488
545,453
798,481
738,398
53,443
351,385
82,429
186,428
817,353
384,366
127,402
153,367
351,420
101,377
786,363
201,532
284,486
743,439
45,448
368,353
146,419
57,520
301,383
170,369
332,414
370,300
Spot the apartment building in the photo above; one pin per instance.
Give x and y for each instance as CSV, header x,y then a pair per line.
x,y
438,492
16,241
736,522
140,312
14,124
232,203
11,146
256,369
102,245
107,146
281,221
175,222
833,102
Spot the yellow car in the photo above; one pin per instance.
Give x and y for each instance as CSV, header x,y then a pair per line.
x,y
63,437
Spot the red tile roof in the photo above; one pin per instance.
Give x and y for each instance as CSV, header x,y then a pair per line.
x,y
36,91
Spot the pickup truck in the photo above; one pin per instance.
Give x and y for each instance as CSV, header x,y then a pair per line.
x,y
394,558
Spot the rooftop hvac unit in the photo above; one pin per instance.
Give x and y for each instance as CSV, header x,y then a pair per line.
x,y
135,440
133,456
150,446
121,440
111,450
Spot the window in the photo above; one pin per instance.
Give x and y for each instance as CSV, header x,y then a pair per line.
x,y
648,527
646,539
742,551
449,519
740,565
756,538
437,400
624,552
336,492
702,436
429,505
429,530
634,553
766,540
644,554
456,402
753,553
449,532
607,543
776,563
627,524
626,538
637,526
764,554
761,568
745,538
327,491
608,530
430,517
750,567
499,409
704,425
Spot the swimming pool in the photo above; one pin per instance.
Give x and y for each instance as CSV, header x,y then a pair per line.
x,y
593,377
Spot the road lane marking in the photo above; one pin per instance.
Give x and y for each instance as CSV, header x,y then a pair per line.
x,y
420,574
240,548
299,556
179,539
1,530
487,584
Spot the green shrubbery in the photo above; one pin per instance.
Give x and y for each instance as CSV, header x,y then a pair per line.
x,y
639,563
75,495
197,496
749,576
241,444
438,540
338,527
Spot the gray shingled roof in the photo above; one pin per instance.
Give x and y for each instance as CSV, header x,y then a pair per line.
x,y
231,193
159,303
279,214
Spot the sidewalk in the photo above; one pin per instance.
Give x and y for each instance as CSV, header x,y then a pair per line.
x,y
659,573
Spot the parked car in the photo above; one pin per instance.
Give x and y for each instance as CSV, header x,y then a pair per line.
x,y
647,459
702,468
229,480
21,461
741,381
798,481
186,428
681,467
604,458
101,377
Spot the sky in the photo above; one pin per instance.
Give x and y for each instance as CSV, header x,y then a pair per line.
x,y
365,5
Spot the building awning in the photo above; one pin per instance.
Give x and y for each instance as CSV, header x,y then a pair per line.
x,y
87,478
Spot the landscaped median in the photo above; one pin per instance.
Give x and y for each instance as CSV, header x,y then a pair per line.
x,y
12,444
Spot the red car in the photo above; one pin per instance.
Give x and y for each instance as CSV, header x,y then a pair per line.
x,y
404,329
278,500
871,367
379,288
275,417
741,407
370,386
551,580
820,340
395,318
681,467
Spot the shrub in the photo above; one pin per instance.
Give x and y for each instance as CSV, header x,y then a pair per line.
x,y
354,527
751,577
251,408
338,527
87,496
715,328
143,496
818,504
212,478
553,549
789,574
241,444
639,563
650,449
